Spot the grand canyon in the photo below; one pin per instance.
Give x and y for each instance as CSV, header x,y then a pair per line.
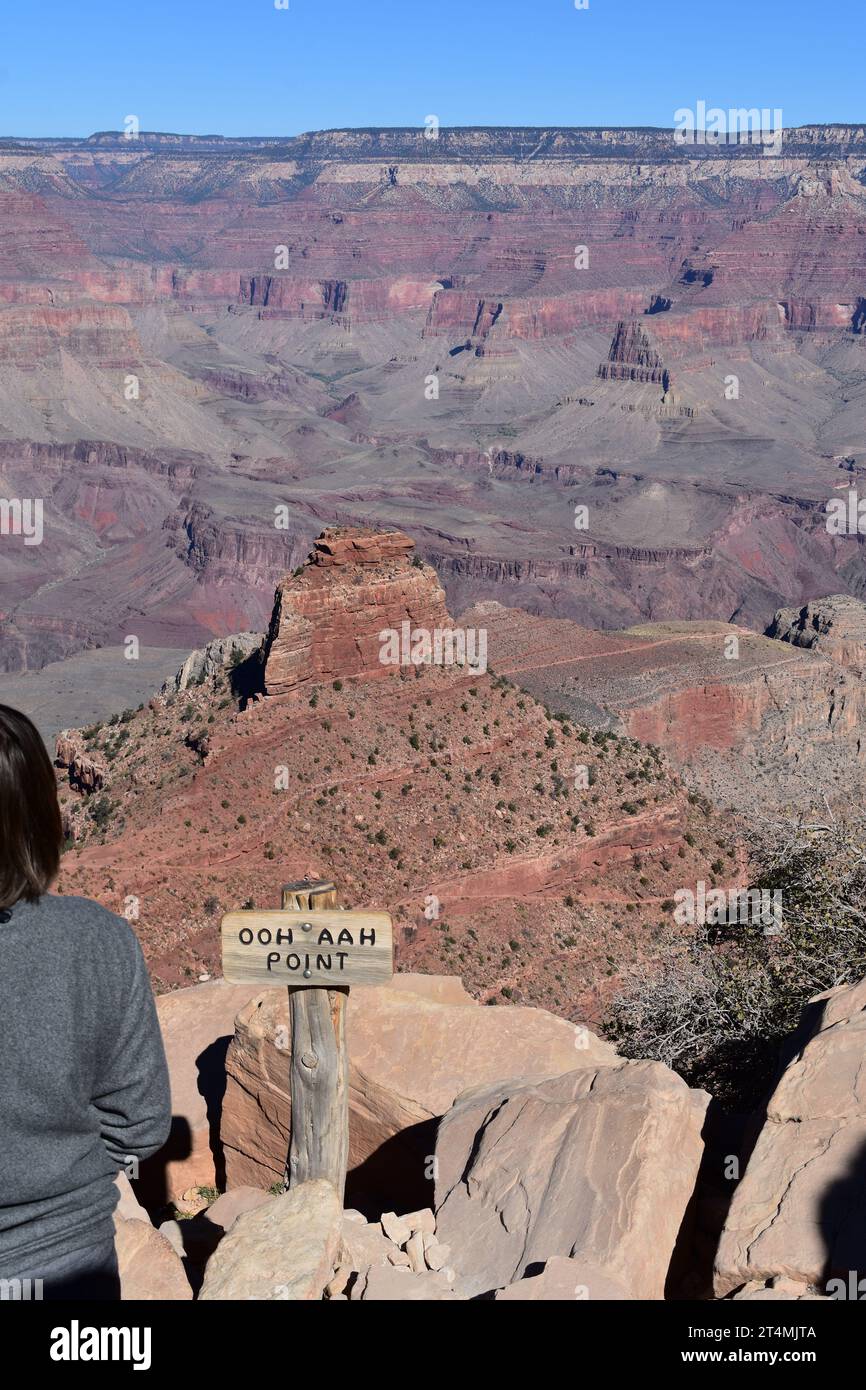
x,y
211,348
595,396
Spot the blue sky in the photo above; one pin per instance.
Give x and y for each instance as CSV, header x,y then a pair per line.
x,y
243,67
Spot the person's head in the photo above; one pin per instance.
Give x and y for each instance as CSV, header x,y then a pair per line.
x,y
31,831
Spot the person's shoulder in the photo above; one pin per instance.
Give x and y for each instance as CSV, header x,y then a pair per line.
x,y
89,919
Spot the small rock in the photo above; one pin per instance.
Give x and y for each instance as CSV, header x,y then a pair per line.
x,y
129,1207
337,1286
191,1202
395,1227
229,1206
423,1221
351,1215
436,1255
363,1245
415,1251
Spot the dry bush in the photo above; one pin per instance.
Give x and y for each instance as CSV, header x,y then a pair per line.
x,y
725,997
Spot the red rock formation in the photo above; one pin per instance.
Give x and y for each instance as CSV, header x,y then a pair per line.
x,y
355,301
327,621
728,706
394,1087
97,333
439,785
86,774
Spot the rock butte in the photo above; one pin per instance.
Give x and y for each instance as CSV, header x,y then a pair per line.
x,y
408,786
328,623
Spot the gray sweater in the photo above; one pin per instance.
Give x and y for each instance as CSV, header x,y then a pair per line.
x,y
83,1078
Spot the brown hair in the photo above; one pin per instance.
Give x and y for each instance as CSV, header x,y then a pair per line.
x,y
31,831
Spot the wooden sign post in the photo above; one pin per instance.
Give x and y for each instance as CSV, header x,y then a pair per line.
x,y
318,951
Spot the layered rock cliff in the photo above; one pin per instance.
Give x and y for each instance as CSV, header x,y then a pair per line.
x,y
431,308
329,621
835,627
729,707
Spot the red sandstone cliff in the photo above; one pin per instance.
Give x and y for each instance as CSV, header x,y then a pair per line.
x,y
757,724
327,621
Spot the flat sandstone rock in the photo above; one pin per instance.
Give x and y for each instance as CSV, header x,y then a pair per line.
x,y
284,1251
149,1268
598,1164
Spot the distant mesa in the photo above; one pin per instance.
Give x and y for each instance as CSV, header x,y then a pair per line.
x,y
835,626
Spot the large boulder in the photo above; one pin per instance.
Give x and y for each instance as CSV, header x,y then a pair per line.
x,y
411,1052
563,1281
391,1284
284,1251
197,1026
598,1165
149,1268
219,655
798,1211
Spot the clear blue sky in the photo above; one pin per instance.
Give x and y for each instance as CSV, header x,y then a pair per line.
x,y
242,67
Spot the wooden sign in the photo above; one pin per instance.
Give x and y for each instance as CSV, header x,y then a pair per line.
x,y
317,952
314,949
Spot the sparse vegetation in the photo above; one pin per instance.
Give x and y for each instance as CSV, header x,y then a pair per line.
x,y
719,1006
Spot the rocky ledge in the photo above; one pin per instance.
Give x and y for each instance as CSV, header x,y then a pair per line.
x,y
496,1153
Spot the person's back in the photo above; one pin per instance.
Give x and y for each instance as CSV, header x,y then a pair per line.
x,y
83,1083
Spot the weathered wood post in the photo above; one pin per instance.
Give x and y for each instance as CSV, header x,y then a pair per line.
x,y
318,951
319,1146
